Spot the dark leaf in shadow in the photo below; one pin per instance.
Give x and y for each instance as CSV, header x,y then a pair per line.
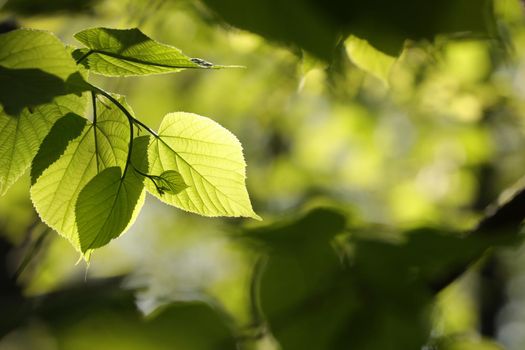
x,y
370,293
317,25
35,7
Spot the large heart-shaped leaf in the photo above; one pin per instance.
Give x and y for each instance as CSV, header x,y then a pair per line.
x,y
210,161
101,144
111,201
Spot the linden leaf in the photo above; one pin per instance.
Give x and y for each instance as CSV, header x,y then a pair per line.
x,y
210,161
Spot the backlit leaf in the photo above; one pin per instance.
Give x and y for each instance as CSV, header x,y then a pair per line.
x,y
210,161
98,147
39,84
110,202
125,52
169,182
369,59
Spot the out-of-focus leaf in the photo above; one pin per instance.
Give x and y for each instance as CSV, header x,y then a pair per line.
x,y
304,284
466,343
126,52
376,293
317,25
368,58
104,316
37,7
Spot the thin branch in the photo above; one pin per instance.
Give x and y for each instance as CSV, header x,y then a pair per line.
x,y
124,110
94,102
83,57
131,120
130,150
505,220
31,253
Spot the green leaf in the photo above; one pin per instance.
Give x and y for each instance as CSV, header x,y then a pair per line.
x,y
110,202
49,8
210,161
37,78
377,292
169,182
21,136
127,52
54,144
99,146
369,59
35,67
318,25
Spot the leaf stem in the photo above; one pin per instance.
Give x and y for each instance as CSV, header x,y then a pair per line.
x,y
148,129
83,57
31,253
130,120
124,110
148,176
94,102
130,150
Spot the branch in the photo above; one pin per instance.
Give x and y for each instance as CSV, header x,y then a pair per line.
x,y
505,220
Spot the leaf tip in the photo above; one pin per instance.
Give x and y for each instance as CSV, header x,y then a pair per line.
x,y
255,216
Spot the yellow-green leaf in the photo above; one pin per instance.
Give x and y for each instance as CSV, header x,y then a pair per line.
x,y
39,83
210,161
99,146
127,52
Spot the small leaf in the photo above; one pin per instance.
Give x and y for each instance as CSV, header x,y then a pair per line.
x,y
208,158
170,181
37,81
127,52
98,147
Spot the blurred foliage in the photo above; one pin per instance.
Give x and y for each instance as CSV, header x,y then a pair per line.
x,y
388,295
318,25
103,316
410,143
32,7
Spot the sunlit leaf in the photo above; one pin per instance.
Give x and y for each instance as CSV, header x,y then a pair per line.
x,y
210,161
37,81
98,147
169,181
110,202
125,52
55,143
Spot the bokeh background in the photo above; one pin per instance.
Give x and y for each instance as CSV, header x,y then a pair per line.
x,y
386,147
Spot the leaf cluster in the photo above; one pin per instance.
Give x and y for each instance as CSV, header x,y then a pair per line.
x,y
89,170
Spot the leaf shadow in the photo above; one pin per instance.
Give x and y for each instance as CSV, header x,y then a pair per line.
x,y
21,88
54,144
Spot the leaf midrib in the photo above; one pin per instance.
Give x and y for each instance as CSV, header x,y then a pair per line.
x,y
146,63
198,172
121,181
